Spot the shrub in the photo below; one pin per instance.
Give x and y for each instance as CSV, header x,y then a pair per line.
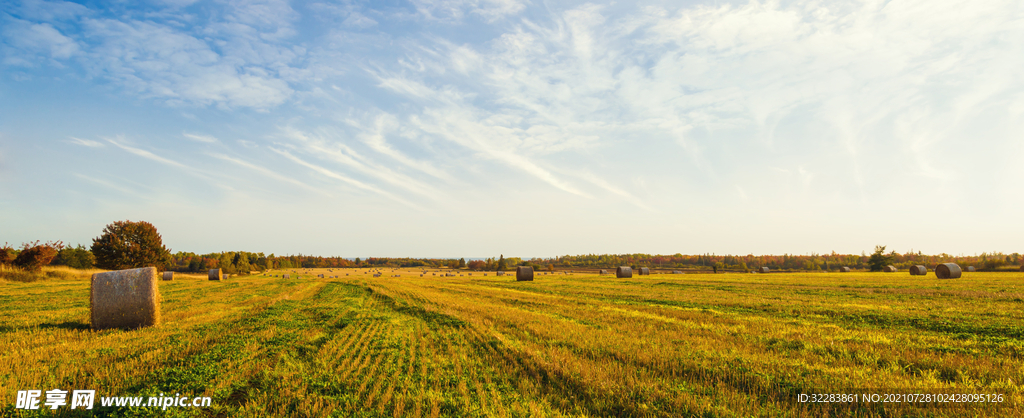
x,y
34,256
127,244
7,254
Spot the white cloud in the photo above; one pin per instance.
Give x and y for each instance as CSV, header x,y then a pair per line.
x,y
85,142
345,179
788,81
329,146
489,10
200,138
359,20
266,172
38,38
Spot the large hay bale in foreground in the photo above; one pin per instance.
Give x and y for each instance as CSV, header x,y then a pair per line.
x,y
215,274
124,299
644,271
948,271
918,270
970,268
889,269
763,270
524,274
624,272
168,275
844,269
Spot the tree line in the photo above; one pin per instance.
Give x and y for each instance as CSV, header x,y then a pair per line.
x,y
127,244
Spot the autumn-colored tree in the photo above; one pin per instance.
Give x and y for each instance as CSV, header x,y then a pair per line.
x,y
7,254
127,244
34,256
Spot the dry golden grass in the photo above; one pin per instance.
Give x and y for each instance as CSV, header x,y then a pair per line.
x,y
563,345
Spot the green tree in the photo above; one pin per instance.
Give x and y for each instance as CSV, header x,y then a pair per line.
x,y
127,244
879,259
75,257
501,263
462,262
226,263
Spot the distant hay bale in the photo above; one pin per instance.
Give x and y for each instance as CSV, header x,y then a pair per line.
x,y
602,272
677,272
624,272
889,269
168,275
524,273
970,269
320,276
1022,268
644,271
918,270
287,276
124,299
844,269
948,271
763,270
215,274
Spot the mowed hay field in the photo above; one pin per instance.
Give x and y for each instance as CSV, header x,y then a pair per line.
x,y
725,345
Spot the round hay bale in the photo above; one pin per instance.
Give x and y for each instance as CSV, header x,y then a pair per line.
x,y
970,269
844,269
677,272
602,272
124,299
168,275
624,272
889,269
287,276
948,271
524,273
215,274
1022,268
763,270
644,271
918,270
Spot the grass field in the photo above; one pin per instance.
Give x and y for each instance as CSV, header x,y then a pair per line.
x,y
726,345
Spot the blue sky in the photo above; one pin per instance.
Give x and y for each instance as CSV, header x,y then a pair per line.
x,y
436,128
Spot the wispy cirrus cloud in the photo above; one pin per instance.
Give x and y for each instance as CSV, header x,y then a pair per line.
x,y
266,172
200,138
345,179
85,142
118,142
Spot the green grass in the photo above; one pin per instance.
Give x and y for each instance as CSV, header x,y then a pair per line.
x,y
727,345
